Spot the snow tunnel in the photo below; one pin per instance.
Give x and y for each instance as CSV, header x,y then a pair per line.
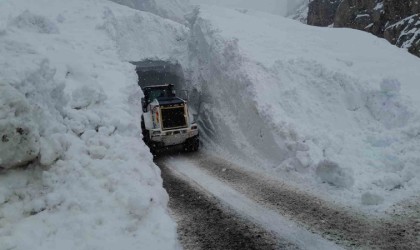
x,y
157,72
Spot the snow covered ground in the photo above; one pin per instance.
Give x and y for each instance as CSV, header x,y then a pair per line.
x,y
333,111
75,172
271,220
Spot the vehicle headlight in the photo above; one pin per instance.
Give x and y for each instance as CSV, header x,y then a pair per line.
x,y
194,127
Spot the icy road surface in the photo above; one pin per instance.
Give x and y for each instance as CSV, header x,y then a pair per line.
x,y
219,206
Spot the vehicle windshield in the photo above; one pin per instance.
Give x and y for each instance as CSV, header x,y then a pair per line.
x,y
156,93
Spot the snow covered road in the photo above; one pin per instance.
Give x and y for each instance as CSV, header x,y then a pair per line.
x,y
289,218
203,223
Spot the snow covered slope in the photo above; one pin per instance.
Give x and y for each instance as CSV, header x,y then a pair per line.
x,y
276,7
75,172
335,111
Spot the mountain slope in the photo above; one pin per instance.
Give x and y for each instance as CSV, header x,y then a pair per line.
x,y
396,21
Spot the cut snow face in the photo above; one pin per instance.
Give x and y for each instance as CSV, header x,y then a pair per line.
x,y
137,39
75,173
333,111
172,9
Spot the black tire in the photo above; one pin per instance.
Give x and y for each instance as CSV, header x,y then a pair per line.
x,y
153,147
195,144
145,132
192,144
143,126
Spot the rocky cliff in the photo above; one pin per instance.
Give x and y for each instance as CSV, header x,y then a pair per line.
x,y
395,20
322,13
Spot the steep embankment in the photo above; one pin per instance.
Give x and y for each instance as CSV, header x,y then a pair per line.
x,y
323,110
74,171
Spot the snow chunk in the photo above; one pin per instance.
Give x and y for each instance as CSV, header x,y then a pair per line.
x,y
50,150
19,143
19,136
46,95
97,152
85,96
333,174
386,105
390,86
35,23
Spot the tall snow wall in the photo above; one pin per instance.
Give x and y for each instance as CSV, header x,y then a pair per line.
x,y
171,9
75,173
228,113
307,104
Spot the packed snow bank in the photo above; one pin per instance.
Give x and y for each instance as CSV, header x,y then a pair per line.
x,y
172,9
75,172
333,111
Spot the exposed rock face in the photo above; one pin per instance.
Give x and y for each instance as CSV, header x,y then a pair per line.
x,y
405,34
322,12
357,15
395,20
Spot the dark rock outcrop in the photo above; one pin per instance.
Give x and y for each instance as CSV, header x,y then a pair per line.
x,y
395,20
322,13
358,14
405,34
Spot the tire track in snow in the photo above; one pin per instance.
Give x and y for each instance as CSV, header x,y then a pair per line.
x,y
335,223
203,223
247,209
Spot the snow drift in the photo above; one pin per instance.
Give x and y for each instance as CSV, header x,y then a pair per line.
x,y
75,172
331,111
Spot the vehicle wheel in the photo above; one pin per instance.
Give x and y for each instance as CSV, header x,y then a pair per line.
x,y
195,144
153,150
143,126
192,144
145,132
187,146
